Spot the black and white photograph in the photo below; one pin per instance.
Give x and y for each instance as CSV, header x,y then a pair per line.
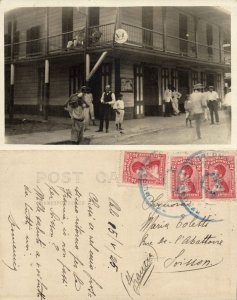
x,y
139,75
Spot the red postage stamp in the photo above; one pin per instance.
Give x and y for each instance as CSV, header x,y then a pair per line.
x,y
142,167
219,177
186,176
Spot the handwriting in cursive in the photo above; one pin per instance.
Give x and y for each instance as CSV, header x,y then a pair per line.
x,y
135,280
11,220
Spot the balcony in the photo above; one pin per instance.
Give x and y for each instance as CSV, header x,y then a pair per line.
x,y
102,36
149,39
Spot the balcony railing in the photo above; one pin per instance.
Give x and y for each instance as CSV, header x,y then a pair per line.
x,y
150,39
142,37
103,36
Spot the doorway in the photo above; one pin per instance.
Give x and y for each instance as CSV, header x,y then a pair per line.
x,y
210,79
99,80
183,88
150,88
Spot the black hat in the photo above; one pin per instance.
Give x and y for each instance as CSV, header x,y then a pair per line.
x,y
83,88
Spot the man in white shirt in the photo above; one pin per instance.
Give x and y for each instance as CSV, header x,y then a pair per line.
x,y
212,99
197,104
167,99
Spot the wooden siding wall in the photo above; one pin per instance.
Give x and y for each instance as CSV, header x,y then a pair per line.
x,y
55,21
26,85
59,84
172,29
157,19
79,18
126,71
107,15
157,26
30,17
131,15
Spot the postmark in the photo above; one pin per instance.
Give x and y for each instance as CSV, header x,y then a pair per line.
x,y
186,174
145,168
220,177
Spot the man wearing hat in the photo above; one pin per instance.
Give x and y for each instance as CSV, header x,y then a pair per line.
x,y
212,99
107,100
197,104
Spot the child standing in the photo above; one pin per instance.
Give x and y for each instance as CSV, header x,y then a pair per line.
x,y
119,108
187,106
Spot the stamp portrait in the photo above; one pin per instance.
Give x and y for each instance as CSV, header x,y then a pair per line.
x,y
219,177
142,167
186,175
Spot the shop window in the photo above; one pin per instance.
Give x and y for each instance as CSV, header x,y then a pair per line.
x,y
203,79
164,79
75,79
194,78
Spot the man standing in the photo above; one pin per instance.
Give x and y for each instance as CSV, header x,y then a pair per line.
x,y
89,110
167,100
175,101
212,98
75,106
197,104
107,100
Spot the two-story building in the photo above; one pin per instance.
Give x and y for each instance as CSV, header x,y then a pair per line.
x,y
50,52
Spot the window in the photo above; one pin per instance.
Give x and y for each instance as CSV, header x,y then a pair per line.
x,y
183,33
7,40
203,79
33,43
209,31
194,77
94,16
147,23
16,40
67,25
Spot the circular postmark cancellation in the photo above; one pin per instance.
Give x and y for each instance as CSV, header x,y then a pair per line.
x,y
196,180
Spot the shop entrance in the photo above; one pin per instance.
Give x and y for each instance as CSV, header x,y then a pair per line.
x,y
183,88
210,79
99,80
150,89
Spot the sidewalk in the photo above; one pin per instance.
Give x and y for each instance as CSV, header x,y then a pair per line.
x,y
132,129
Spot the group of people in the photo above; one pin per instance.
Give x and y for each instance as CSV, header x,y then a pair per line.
x,y
171,101
81,110
202,105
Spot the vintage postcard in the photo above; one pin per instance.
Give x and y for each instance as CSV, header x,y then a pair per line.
x,y
73,231
118,150
144,74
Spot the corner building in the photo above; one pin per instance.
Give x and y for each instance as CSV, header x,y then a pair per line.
x,y
51,52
